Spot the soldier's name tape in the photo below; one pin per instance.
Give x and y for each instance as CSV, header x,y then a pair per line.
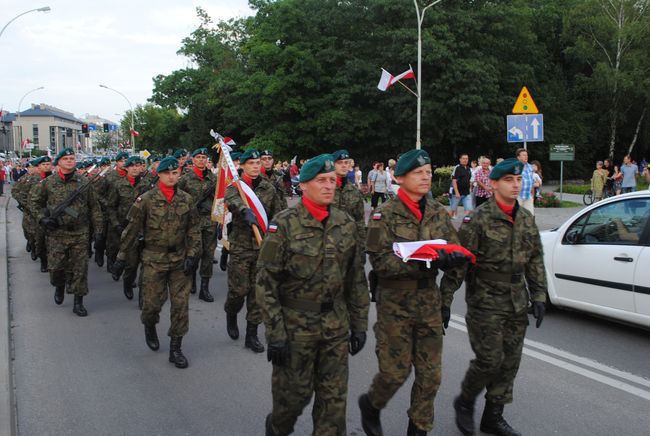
x,y
546,354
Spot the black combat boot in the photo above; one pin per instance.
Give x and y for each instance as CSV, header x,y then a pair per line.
x,y
204,293
109,264
151,337
128,289
270,430
140,300
193,290
33,254
493,422
175,354
223,261
78,306
370,417
99,258
43,263
59,294
252,340
414,431
464,415
28,247
231,326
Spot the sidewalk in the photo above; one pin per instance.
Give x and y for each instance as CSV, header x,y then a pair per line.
x,y
7,404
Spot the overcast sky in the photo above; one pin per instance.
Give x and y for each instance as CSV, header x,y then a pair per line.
x,y
80,44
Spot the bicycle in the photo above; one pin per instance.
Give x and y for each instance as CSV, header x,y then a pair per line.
x,y
588,197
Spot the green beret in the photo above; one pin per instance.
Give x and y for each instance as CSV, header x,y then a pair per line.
x,y
44,159
505,167
266,153
189,161
181,152
411,160
249,154
340,155
133,160
121,155
65,152
104,161
156,159
167,164
35,162
235,155
203,151
323,163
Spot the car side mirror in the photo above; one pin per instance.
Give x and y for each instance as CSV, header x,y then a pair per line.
x,y
572,236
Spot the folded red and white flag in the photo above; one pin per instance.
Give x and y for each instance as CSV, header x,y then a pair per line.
x,y
427,251
134,133
387,80
229,141
256,205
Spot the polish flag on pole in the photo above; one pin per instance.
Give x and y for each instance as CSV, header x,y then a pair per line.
x,y
256,205
134,133
427,251
229,141
387,79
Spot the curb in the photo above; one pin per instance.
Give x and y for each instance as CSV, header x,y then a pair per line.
x,y
7,405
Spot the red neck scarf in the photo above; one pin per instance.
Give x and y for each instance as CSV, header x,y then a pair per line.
x,y
248,180
43,175
339,182
121,172
264,171
167,191
61,175
508,210
198,172
316,210
131,180
154,172
413,206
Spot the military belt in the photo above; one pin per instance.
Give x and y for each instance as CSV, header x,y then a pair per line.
x,y
160,249
307,305
499,277
407,285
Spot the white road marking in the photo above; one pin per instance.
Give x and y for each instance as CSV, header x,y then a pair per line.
x,y
615,383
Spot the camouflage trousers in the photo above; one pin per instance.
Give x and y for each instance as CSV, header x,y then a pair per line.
x,y
68,262
29,227
40,244
317,368
157,281
242,268
208,245
409,334
497,340
112,241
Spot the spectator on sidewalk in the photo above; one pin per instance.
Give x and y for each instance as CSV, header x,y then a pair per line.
x,y
525,198
482,178
617,178
2,178
378,185
630,172
460,186
537,178
598,180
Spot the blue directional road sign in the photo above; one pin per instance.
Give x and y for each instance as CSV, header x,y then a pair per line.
x,y
525,128
92,128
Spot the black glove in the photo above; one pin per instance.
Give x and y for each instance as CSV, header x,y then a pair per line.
x,y
250,218
278,353
118,269
539,310
119,229
49,223
446,316
100,242
219,231
188,265
357,341
449,260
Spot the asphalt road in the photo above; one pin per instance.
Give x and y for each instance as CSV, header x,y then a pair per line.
x,y
95,375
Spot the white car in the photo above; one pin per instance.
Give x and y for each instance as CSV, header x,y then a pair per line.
x,y
599,260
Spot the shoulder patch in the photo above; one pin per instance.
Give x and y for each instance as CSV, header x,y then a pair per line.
x,y
138,200
376,216
467,219
273,228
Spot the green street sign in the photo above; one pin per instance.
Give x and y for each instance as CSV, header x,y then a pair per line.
x,y
562,152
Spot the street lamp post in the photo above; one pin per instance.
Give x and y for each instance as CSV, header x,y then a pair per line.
x,y
19,127
130,106
420,15
43,9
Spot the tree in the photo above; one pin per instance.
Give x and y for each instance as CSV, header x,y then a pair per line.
x,y
159,128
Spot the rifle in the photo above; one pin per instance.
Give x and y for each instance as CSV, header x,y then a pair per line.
x,y
151,185
206,195
64,206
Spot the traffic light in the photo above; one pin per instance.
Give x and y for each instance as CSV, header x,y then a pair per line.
x,y
106,127
84,128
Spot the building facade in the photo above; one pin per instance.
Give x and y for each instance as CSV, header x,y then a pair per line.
x,y
44,126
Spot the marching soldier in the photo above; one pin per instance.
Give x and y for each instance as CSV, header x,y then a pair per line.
x,y
200,184
121,196
347,197
266,157
100,185
44,167
112,237
244,249
169,224
312,291
410,308
67,234
223,260
150,179
509,272
21,192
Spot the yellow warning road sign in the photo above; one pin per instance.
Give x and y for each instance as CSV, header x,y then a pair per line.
x,y
145,154
525,103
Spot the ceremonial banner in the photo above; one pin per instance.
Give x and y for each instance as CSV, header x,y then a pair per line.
x,y
387,80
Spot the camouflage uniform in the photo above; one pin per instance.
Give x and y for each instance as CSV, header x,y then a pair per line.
x,y
67,245
39,244
509,256
171,234
349,199
409,321
244,249
101,188
21,191
112,235
311,288
276,180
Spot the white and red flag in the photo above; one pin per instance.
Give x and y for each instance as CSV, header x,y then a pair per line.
x,y
387,79
229,141
427,251
256,205
134,133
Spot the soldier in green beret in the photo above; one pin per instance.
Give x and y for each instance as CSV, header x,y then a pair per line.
x,y
200,184
169,225
314,299
244,249
101,186
223,261
113,238
275,177
44,169
67,235
411,309
508,275
347,197
21,193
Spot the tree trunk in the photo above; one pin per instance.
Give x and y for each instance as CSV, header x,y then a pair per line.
x,y
636,132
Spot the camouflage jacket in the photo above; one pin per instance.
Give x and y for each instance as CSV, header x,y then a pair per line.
x,y
121,196
149,180
171,231
349,199
507,249
394,222
21,189
276,180
83,212
200,189
303,262
241,235
101,185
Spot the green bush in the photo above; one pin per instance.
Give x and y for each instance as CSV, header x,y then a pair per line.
x,y
439,190
443,199
548,199
575,189
444,172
